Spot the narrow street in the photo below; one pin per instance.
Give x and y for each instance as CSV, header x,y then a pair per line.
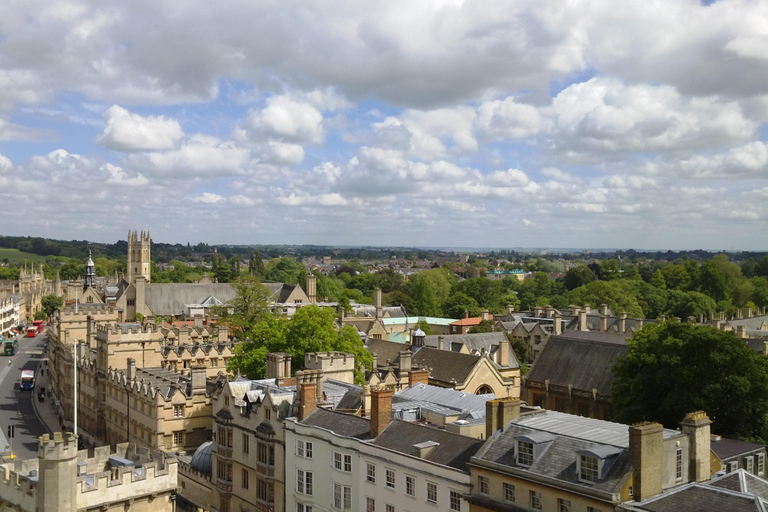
x,y
16,406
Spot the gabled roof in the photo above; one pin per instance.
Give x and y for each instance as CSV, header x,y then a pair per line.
x,y
168,299
466,403
581,359
386,352
453,450
728,448
445,366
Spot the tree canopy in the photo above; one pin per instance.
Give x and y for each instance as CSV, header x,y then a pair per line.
x,y
675,368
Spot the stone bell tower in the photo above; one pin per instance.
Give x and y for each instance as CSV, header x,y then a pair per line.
x,y
138,256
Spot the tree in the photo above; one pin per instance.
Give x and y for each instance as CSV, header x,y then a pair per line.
x,y
674,368
609,270
520,347
459,303
40,315
659,281
429,289
424,326
713,280
249,306
51,303
483,326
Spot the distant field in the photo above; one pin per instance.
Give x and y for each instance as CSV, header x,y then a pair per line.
x,y
17,255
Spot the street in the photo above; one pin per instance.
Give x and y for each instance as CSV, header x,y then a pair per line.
x,y
16,406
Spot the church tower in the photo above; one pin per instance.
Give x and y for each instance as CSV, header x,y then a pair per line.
x,y
138,256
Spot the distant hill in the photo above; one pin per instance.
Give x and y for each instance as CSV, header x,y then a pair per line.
x,y
15,255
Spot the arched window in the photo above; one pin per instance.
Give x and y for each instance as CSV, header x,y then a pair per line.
x,y
484,390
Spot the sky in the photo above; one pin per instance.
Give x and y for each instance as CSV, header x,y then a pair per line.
x,y
494,123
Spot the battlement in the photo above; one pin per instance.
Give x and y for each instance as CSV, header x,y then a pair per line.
x,y
127,331
85,310
60,447
188,471
329,360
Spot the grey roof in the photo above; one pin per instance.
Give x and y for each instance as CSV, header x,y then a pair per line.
x,y
339,423
453,450
580,359
202,459
750,323
738,492
466,404
728,448
474,342
169,299
386,351
558,460
445,366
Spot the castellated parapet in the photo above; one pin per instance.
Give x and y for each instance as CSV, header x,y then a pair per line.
x,y
333,365
65,479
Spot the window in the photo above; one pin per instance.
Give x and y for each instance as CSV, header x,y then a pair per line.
x,y
300,507
304,482
304,449
370,473
760,464
588,469
246,444
342,462
484,484
749,464
535,500
186,364
178,411
733,466
245,478
266,491
342,497
226,401
431,493
178,437
390,481
524,453
509,492
455,501
265,454
679,464
214,363
267,413
593,509
563,505
370,505
390,508
410,485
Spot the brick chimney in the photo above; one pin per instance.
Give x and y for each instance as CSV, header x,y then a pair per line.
x,y
499,412
418,377
307,399
646,453
381,410
696,426
197,376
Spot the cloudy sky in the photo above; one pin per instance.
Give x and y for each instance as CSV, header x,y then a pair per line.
x,y
570,123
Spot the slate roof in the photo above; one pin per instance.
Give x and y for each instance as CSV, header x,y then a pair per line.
x,y
727,448
445,366
339,423
582,359
168,299
454,450
473,342
558,460
386,352
742,481
467,403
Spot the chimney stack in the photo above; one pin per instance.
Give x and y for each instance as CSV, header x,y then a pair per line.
x,y
646,453
418,377
499,412
377,302
131,372
381,410
510,309
696,426
623,322
485,315
557,323
504,354
312,288
198,320
582,320
405,362
441,342
198,378
307,399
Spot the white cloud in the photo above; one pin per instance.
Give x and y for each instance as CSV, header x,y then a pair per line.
x,y
5,164
209,198
119,177
125,131
286,119
201,155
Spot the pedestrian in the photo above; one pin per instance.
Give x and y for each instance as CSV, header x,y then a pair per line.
x,y
42,372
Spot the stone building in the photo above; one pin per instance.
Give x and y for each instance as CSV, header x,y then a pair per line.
x,y
31,286
9,313
62,478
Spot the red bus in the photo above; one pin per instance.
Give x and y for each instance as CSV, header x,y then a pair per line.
x,y
31,331
39,324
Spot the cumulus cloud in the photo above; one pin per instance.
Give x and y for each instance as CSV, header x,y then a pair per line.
x,y
209,198
289,120
201,155
131,132
118,176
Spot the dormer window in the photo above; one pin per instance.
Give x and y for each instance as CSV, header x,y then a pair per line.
x,y
589,469
524,453
594,463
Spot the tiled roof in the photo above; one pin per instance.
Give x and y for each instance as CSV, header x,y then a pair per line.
x,y
168,299
339,423
581,359
701,498
454,450
471,321
386,351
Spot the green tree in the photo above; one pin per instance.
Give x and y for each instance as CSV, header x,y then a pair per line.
x,y
676,277
674,368
609,270
486,292
51,303
424,326
659,281
458,303
520,347
620,295
483,326
578,276
713,281
429,289
40,315
249,306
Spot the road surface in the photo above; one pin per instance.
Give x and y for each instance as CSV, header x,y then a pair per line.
x,y
16,405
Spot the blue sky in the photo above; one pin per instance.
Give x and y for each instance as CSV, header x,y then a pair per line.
x,y
440,123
